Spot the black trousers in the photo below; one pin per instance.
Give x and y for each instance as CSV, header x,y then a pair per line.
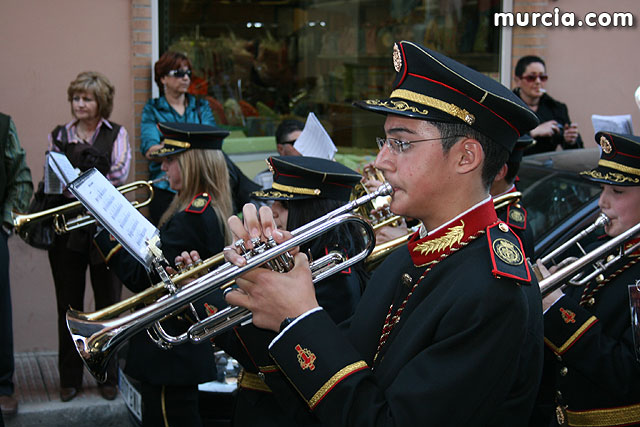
x,y
6,328
167,405
69,269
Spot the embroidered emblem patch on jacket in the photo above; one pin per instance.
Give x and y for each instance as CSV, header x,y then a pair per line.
x,y
507,252
507,255
568,316
305,358
199,203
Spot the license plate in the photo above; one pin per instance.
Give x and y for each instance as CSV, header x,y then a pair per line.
x,y
130,395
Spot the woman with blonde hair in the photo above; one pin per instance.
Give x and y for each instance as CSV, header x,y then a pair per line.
x,y
196,218
89,140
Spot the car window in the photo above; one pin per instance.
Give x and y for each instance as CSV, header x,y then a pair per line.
x,y
552,197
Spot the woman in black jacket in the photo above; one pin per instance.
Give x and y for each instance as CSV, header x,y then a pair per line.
x,y
555,128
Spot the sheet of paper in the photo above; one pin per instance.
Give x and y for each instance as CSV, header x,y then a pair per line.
x,y
52,184
314,141
617,124
62,167
115,213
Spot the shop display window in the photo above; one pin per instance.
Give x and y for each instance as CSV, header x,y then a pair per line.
x,y
258,62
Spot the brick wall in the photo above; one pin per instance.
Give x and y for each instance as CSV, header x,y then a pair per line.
x,y
529,40
141,72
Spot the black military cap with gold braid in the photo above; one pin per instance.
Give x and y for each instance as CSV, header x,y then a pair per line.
x,y
619,162
433,87
179,137
304,177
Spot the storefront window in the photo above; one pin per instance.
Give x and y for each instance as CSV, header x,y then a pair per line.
x,y
260,61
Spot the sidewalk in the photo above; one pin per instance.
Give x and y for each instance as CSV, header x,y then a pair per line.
x,y
36,388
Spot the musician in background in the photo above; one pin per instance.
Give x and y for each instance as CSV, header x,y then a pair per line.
x,y
513,213
287,133
592,368
89,140
304,188
196,168
449,329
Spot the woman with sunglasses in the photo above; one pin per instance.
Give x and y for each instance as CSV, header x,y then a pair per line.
x,y
173,77
172,74
555,126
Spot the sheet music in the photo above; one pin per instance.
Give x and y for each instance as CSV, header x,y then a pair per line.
x,y
314,141
116,214
58,173
617,124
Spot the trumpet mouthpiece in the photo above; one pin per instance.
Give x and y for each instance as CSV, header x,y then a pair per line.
x,y
602,220
384,190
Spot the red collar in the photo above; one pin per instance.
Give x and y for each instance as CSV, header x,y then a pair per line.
x,y
451,236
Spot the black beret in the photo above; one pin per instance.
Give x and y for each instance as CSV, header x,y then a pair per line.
x,y
303,177
619,162
179,137
433,87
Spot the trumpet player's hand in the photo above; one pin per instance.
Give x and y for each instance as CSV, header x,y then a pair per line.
x,y
254,225
185,261
272,296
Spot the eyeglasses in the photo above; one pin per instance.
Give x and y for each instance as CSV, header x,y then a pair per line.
x,y
532,77
293,141
398,146
179,73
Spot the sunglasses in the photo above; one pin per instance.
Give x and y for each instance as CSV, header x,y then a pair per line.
x,y
532,77
179,73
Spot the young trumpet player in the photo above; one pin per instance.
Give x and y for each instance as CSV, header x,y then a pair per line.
x,y
592,367
196,168
303,189
449,329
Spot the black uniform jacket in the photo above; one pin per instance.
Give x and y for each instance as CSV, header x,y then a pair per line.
x,y
593,364
551,109
256,406
195,228
515,215
466,351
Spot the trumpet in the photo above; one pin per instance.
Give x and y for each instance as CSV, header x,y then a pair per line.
x,y
96,340
504,200
603,258
383,215
22,222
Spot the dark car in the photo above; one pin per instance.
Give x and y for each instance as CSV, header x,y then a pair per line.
x,y
559,202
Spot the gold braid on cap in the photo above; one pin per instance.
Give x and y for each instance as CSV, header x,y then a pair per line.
x,y
446,107
617,166
297,190
614,177
180,144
